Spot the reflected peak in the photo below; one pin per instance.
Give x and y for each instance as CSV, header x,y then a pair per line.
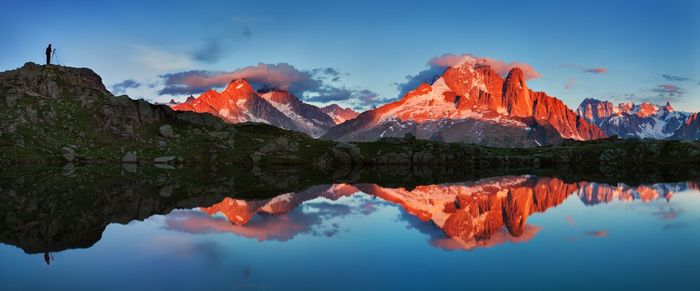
x,y
473,214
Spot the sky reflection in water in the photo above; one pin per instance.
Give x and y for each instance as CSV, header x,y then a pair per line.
x,y
510,232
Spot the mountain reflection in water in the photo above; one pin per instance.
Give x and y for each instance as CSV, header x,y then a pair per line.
x,y
469,215
101,227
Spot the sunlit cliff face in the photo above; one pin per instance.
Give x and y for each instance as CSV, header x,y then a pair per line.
x,y
471,92
484,213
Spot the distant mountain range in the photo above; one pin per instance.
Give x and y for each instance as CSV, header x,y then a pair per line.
x,y
629,120
469,102
240,103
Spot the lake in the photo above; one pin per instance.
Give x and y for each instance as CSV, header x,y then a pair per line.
x,y
164,229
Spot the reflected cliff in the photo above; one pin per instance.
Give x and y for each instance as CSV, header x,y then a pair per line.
x,y
468,215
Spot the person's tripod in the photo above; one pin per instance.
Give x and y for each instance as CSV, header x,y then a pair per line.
x,y
54,57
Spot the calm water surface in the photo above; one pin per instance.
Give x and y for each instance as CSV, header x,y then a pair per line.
x,y
507,232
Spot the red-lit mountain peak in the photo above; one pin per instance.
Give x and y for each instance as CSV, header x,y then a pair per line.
x,y
516,95
240,87
237,103
647,109
470,102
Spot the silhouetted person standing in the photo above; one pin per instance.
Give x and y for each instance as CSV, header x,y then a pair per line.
x,y
48,55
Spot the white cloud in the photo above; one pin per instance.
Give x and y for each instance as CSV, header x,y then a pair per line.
x,y
160,60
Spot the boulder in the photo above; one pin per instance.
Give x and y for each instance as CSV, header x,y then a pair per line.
x,y
68,153
287,144
280,145
145,112
166,131
130,157
346,153
165,160
166,191
256,157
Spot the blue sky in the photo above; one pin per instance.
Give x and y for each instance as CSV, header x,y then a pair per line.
x,y
370,47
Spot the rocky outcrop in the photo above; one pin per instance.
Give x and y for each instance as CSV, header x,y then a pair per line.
x,y
516,96
347,154
166,131
282,148
690,130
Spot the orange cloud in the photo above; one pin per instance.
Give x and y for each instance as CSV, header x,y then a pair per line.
x,y
279,76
